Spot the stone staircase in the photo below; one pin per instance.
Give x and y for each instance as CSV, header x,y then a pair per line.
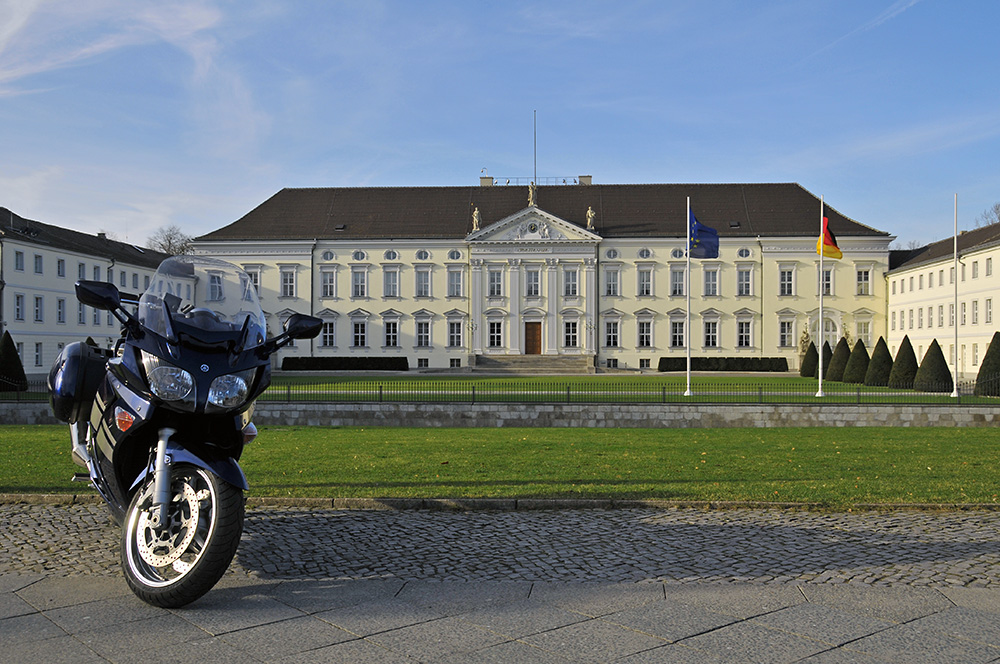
x,y
534,364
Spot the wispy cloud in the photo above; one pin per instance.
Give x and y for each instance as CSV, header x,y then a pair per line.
x,y
891,12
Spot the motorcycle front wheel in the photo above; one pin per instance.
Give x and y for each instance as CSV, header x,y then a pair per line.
x,y
180,562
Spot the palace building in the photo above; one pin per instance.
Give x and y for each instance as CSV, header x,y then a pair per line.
x,y
452,277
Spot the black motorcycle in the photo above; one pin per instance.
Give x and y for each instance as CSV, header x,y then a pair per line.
x,y
161,421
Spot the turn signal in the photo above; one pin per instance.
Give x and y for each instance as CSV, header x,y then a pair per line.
x,y
123,418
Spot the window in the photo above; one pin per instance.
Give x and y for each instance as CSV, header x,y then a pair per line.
x,y
61,311
454,283
786,337
989,267
644,363
611,283
359,255
254,278
975,312
532,283
975,350
920,318
454,255
940,277
975,269
893,319
827,282
18,306
390,255
390,282
423,363
61,267
81,314
611,330
135,281
951,315
645,253
612,254
359,282
19,261
495,338
711,283
454,334
423,254
962,309
423,334
743,338
988,311
327,284
97,273
920,282
495,283
940,315
423,286
785,282
911,318
253,273
570,338
391,334
676,281
214,286
81,271
288,282
570,283
645,334
864,282
677,334
360,334
38,264
328,338
711,328
744,253
894,288
97,316
930,316
864,330
38,354
122,278
645,286
39,309
743,281
455,363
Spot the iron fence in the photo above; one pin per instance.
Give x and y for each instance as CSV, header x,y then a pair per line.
x,y
581,392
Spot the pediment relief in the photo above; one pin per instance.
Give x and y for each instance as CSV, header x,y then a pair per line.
x,y
533,225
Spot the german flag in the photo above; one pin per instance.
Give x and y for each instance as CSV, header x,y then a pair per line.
x,y
827,245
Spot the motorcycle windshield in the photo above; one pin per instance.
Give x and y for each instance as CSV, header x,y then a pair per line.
x,y
204,298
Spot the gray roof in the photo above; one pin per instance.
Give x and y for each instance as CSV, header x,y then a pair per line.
x,y
55,237
978,238
622,210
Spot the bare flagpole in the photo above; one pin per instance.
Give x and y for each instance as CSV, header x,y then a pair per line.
x,y
687,289
954,391
820,326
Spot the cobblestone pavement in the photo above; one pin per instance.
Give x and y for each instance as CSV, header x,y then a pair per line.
x,y
900,548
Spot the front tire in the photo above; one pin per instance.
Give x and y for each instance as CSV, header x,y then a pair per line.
x,y
182,562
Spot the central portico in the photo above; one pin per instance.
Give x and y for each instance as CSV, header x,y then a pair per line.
x,y
533,286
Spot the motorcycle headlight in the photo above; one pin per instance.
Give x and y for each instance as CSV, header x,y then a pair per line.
x,y
230,390
166,381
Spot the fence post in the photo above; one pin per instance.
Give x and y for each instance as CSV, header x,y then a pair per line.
x,y
663,389
380,392
859,395
473,394
568,400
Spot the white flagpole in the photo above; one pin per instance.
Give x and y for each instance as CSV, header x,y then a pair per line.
x,y
821,327
954,391
687,289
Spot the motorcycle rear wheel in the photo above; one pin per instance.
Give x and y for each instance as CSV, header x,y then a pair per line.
x,y
184,560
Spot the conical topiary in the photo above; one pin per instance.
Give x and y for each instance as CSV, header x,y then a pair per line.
x,y
809,362
904,367
988,379
12,378
857,364
827,356
839,361
880,365
933,374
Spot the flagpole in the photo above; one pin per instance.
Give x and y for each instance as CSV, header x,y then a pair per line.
x,y
954,391
820,327
687,289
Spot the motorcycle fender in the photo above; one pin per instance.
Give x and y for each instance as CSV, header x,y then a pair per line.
x,y
228,469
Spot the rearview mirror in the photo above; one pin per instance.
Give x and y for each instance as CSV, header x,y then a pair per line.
x,y
99,295
300,326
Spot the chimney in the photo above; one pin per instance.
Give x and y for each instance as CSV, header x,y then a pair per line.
x,y
485,181
102,236
587,179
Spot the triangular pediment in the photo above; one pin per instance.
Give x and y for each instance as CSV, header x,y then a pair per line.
x,y
533,225
327,313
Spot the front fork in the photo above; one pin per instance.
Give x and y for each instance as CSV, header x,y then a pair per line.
x,y
161,481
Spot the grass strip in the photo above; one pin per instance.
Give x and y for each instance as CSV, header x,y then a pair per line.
x,y
834,467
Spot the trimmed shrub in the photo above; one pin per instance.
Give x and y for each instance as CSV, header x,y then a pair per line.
x,y
904,368
933,374
839,361
827,358
880,365
988,379
857,364
810,361
12,378
345,364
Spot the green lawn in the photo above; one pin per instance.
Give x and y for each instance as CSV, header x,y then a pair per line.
x,y
832,467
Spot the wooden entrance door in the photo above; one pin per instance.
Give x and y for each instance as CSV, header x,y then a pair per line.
x,y
532,338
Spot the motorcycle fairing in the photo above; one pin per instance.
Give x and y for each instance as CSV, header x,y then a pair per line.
x,y
226,468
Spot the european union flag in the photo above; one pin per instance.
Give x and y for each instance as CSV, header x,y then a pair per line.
x,y
704,240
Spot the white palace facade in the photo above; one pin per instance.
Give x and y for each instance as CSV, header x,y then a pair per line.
x,y
445,276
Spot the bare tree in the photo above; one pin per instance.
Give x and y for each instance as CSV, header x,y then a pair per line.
x,y
990,215
170,240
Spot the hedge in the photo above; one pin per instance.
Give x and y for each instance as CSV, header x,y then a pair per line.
x,y
759,364
345,364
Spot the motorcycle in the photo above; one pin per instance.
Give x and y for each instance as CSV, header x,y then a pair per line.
x,y
160,423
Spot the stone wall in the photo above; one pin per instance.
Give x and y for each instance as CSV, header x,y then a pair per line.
x,y
650,416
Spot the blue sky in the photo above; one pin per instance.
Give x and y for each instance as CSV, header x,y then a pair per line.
x,y
126,116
